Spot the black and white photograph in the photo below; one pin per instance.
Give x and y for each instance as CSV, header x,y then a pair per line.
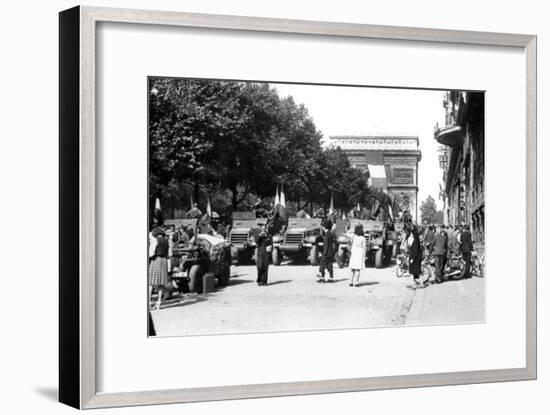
x,y
280,207
275,207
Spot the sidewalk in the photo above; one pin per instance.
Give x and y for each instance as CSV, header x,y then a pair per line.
x,y
451,302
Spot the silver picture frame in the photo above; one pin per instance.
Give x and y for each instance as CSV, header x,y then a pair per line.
x,y
77,277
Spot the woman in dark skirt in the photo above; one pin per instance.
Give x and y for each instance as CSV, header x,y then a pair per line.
x,y
158,265
415,259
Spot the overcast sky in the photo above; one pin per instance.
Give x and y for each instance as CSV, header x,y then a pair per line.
x,y
378,111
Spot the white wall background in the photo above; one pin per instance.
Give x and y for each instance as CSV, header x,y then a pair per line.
x,y
28,163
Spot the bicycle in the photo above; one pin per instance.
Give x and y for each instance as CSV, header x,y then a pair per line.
x,y
478,265
402,268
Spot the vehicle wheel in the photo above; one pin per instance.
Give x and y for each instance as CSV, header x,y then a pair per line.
x,y
276,256
463,270
313,255
379,259
241,259
234,256
195,279
225,273
387,256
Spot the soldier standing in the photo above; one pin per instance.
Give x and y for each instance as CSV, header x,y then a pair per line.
x,y
263,242
328,253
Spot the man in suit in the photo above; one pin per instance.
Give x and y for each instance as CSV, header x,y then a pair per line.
x,y
429,238
329,242
466,248
263,244
440,252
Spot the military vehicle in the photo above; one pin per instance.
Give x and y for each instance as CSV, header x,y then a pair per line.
x,y
380,243
241,236
185,223
343,238
301,241
207,254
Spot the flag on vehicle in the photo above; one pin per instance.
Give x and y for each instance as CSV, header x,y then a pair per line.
x,y
331,208
282,204
277,201
375,208
157,204
390,207
208,207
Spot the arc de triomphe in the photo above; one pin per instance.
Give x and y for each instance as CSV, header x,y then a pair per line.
x,y
398,154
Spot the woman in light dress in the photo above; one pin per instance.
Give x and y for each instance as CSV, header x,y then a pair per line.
x,y
357,257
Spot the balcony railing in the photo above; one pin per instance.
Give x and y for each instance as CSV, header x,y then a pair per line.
x,y
449,135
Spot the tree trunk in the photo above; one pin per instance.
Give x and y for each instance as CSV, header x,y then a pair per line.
x,y
234,200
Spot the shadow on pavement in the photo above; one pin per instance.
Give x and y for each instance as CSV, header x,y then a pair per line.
x,y
182,301
233,281
279,282
454,280
334,281
238,275
338,280
367,283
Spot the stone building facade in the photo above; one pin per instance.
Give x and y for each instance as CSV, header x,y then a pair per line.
x,y
397,155
462,159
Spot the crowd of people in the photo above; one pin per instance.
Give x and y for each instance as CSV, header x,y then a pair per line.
x,y
164,240
440,241
443,243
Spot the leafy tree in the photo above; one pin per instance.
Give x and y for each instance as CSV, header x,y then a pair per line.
x,y
429,212
186,117
337,177
236,141
240,136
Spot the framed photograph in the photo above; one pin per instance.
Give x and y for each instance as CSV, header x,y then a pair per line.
x,y
254,207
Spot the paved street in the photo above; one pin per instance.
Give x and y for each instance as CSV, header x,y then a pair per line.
x,y
293,300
